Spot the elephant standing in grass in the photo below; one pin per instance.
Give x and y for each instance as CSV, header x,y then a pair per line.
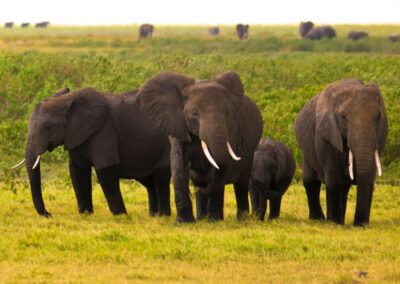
x,y
341,132
145,31
393,37
242,31
106,132
308,31
354,35
9,25
214,129
272,172
214,31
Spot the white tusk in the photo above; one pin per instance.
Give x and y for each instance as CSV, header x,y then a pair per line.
x,y
233,155
378,163
351,165
208,155
36,162
17,165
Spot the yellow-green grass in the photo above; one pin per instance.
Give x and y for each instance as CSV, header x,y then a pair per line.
x,y
101,248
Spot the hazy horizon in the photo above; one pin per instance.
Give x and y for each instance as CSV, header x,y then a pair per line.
x,y
205,12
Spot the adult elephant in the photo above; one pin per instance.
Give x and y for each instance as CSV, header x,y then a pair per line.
x,y
106,132
341,133
214,129
42,25
213,31
242,31
308,31
145,31
8,25
356,35
393,37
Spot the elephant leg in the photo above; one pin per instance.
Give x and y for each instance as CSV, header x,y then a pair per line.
x,y
216,205
148,183
313,188
82,183
255,202
262,208
201,205
162,179
242,200
345,193
109,181
334,198
275,207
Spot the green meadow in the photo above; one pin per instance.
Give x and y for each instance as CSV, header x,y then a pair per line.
x,y
280,73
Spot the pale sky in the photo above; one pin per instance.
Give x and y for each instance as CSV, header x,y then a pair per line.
x,y
207,12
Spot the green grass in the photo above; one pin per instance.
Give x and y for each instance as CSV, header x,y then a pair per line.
x,y
74,248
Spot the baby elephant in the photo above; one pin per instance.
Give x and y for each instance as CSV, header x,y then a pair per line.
x,y
272,173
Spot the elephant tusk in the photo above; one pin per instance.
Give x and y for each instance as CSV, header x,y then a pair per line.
x,y
36,162
351,165
208,155
19,164
233,155
378,163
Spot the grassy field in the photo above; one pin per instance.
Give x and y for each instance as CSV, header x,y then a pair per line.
x,y
280,73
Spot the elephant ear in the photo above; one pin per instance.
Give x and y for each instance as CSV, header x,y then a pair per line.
x,y
383,122
88,113
326,124
280,160
161,98
231,81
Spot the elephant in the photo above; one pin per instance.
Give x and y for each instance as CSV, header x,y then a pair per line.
x,y
242,31
9,25
214,130
341,133
146,30
25,25
106,132
308,31
356,35
42,25
393,37
272,172
214,31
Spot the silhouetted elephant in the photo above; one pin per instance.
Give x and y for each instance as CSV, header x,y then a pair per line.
x,y
8,25
271,175
354,35
214,129
145,30
393,37
214,31
341,132
24,25
308,31
42,25
242,31
108,133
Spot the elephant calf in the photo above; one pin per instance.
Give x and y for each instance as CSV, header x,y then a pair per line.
x,y
108,133
272,173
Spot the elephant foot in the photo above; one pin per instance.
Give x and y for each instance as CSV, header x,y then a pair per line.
x,y
215,216
45,214
185,216
201,216
86,211
120,212
318,217
164,213
242,215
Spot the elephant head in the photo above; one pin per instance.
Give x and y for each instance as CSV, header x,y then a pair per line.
x,y
351,116
204,111
69,119
305,27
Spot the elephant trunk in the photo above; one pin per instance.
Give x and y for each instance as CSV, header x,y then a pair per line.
x,y
33,169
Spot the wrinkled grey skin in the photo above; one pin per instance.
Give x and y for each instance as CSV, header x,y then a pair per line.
x,y
355,35
108,133
347,115
393,37
145,31
308,31
216,112
214,31
242,31
42,25
25,25
8,25
272,172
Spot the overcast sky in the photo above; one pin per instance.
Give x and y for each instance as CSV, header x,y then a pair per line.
x,y
121,12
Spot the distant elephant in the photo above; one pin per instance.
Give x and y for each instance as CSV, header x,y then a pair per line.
x,y
393,37
8,25
24,25
146,30
308,31
242,31
214,31
214,129
341,132
354,35
272,172
42,25
106,132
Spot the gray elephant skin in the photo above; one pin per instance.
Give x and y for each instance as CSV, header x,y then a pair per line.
x,y
106,132
242,31
356,35
271,175
341,133
214,130
145,31
213,31
308,31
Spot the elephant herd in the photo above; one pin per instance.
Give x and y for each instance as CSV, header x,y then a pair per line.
x,y
208,133
10,25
